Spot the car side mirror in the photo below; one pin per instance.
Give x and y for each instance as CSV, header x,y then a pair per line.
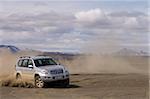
x,y
30,66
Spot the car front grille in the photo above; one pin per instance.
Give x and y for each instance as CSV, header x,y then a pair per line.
x,y
56,71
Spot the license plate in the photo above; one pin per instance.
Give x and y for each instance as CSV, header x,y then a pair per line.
x,y
58,77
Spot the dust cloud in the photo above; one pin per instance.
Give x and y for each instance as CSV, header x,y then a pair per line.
x,y
86,63
98,58
91,64
8,61
7,67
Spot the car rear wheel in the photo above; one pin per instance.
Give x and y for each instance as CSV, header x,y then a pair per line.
x,y
38,82
18,77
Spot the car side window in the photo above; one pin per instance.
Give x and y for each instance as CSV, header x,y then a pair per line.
x,y
30,62
20,63
25,63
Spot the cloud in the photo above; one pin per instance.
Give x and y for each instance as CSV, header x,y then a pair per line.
x,y
90,16
112,30
98,19
41,31
70,31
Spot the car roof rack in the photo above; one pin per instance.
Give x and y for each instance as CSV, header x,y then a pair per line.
x,y
41,55
36,56
25,57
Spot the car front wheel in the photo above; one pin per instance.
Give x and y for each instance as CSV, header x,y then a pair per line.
x,y
66,82
38,82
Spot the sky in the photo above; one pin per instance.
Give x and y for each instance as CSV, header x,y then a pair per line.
x,y
75,25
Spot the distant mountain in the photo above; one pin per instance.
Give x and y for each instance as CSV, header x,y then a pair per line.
x,y
12,49
130,52
60,55
27,51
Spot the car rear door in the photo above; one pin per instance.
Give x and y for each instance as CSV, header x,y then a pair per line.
x,y
24,66
30,71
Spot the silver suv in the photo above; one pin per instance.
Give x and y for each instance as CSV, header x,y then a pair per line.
x,y
41,69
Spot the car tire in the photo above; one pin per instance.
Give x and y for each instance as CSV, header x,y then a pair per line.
x,y
38,82
66,83
18,77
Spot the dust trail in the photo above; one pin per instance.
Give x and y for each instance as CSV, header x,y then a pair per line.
x,y
86,63
14,83
91,64
7,67
95,61
7,63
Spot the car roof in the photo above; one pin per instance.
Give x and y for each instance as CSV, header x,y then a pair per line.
x,y
34,57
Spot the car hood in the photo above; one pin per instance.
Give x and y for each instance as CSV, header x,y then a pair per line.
x,y
51,67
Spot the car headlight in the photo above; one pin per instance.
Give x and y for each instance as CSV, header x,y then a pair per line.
x,y
66,71
44,72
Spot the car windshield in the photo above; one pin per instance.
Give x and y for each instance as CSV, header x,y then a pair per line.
x,y
44,62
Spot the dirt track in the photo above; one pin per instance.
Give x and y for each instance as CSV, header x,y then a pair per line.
x,y
98,86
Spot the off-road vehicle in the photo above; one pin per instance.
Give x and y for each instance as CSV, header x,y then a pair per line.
x,y
41,70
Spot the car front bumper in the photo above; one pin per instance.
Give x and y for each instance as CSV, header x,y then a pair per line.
x,y
48,78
